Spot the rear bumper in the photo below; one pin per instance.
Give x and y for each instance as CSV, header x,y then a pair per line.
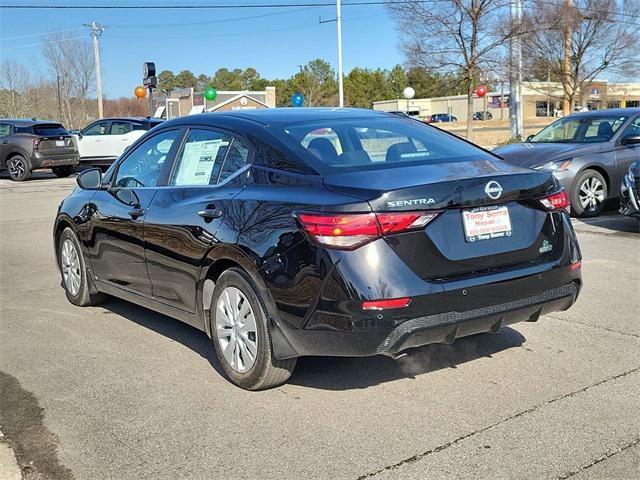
x,y
446,327
465,311
48,161
98,161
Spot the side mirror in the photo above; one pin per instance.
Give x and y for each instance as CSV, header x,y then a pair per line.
x,y
530,137
90,179
630,140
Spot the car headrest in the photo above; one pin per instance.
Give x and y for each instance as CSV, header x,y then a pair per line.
x,y
395,152
323,149
605,130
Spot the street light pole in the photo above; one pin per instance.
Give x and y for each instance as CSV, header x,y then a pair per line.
x,y
340,72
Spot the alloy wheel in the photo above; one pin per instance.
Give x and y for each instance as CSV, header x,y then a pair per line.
x,y
591,194
16,167
236,329
70,264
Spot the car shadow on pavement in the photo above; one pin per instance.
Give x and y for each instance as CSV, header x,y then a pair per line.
x,y
613,222
336,373
176,330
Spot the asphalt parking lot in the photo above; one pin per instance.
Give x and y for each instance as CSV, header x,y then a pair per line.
x,y
120,392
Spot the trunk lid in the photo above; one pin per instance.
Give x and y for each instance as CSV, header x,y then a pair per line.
x,y
53,139
444,248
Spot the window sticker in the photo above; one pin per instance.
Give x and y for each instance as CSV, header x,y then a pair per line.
x,y
197,162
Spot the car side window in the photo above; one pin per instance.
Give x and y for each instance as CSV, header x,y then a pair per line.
x,y
121,128
236,158
633,128
98,128
144,165
5,130
201,157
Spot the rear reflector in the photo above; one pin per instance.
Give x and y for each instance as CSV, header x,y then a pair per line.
x,y
557,201
386,304
350,230
576,265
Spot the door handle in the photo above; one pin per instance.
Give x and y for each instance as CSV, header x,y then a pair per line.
x,y
136,212
210,213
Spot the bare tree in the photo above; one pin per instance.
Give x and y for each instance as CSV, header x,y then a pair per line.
x,y
605,36
15,82
460,37
70,62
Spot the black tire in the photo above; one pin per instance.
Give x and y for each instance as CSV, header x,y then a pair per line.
x,y
266,371
588,180
83,296
63,171
19,168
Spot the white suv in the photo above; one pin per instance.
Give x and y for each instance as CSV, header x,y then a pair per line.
x,y
102,142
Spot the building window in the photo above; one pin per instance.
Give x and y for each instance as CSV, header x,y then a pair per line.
x,y
544,109
613,104
633,103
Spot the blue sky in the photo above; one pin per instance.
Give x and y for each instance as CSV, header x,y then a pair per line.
x,y
275,43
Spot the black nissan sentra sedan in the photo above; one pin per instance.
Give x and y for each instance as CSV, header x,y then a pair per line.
x,y
290,232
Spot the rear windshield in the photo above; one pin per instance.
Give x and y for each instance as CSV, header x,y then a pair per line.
x,y
51,130
377,143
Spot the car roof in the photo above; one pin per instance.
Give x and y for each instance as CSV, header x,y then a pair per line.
x,y
607,111
28,122
135,119
284,116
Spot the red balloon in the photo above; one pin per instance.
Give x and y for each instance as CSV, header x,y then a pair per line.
x,y
481,90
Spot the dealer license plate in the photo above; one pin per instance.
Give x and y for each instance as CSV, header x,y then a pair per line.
x,y
486,223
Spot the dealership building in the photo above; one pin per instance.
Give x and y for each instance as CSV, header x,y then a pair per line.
x,y
186,101
539,99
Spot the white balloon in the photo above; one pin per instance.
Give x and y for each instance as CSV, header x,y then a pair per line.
x,y
409,92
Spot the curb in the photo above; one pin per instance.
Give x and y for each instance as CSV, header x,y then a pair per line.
x,y
9,469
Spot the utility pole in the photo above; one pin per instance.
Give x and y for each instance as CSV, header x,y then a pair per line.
x,y
515,72
340,72
566,65
338,20
96,32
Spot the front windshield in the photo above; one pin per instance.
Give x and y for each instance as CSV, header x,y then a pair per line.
x,y
377,143
588,129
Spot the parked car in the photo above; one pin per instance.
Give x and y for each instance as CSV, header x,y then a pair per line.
x,y
101,142
482,116
31,144
630,192
442,117
588,153
283,233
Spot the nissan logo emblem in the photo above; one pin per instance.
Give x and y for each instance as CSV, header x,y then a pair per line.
x,y
493,190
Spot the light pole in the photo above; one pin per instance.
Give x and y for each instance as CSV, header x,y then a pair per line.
x,y
340,72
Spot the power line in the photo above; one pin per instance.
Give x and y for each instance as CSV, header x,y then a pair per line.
x,y
214,7
3,39
42,43
209,22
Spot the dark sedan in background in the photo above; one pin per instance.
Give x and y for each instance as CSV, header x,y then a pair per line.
x,y
290,232
589,153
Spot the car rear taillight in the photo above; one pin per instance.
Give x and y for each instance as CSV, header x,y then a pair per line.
x,y
557,201
351,230
36,144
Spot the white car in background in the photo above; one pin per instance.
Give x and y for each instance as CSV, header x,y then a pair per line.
x,y
102,142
